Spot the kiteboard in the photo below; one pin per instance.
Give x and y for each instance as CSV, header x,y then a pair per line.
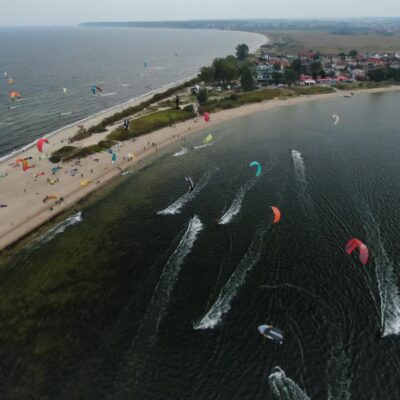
x,y
271,333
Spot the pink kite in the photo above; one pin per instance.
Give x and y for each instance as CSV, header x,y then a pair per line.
x,y
40,144
352,244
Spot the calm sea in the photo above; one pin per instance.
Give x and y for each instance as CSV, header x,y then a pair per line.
x,y
125,63
138,293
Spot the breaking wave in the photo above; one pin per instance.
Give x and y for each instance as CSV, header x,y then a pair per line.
x,y
235,282
175,207
181,152
234,209
283,387
65,113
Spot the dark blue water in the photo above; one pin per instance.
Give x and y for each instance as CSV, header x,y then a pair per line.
x,y
122,303
43,61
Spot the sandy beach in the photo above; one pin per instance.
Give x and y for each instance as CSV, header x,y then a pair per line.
x,y
23,192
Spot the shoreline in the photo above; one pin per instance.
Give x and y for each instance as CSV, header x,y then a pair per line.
x,y
23,193
102,113
107,112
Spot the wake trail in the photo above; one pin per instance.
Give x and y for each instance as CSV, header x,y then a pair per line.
x,y
387,282
234,209
284,388
338,370
181,152
175,207
228,293
299,169
60,228
156,310
203,146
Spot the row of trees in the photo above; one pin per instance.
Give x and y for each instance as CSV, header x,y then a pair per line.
x,y
384,74
230,68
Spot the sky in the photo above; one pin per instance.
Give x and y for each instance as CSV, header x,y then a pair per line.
x,y
71,12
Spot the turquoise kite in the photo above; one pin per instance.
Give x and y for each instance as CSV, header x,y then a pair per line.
x,y
258,165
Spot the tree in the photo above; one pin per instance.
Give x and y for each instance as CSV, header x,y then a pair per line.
x,y
297,67
242,51
226,69
378,74
331,73
207,74
231,69
322,73
247,79
289,76
218,65
353,53
316,67
202,96
277,77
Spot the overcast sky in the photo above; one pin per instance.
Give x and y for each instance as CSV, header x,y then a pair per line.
x,y
67,12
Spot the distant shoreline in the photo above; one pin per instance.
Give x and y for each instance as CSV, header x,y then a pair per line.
x,y
26,212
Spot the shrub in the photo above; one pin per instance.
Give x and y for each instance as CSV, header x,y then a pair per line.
x,y
189,108
313,89
149,123
62,152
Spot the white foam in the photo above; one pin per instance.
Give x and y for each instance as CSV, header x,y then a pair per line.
x,y
338,372
284,388
203,145
181,152
60,228
227,294
175,207
388,291
234,209
169,276
299,167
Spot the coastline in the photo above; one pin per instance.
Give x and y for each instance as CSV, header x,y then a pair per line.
x,y
23,194
95,118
